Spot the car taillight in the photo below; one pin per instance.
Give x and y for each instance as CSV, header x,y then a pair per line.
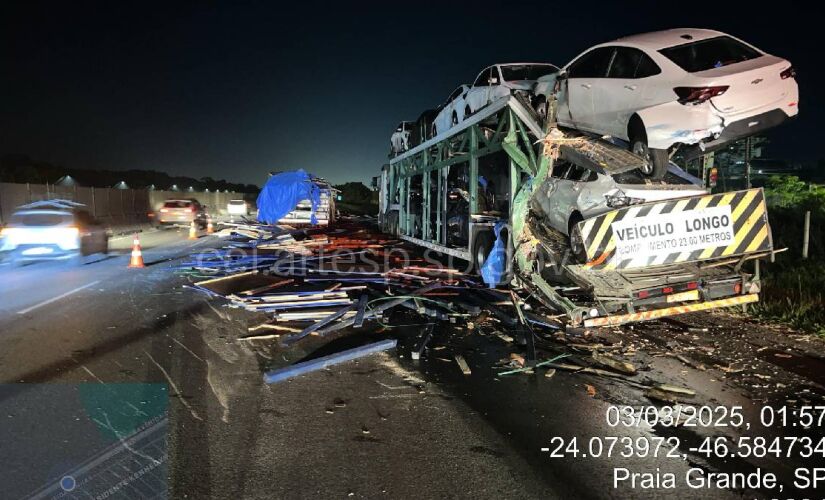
x,y
713,177
788,73
698,95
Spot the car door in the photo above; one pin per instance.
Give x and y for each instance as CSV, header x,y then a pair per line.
x,y
460,103
577,106
478,94
497,87
620,95
558,198
453,106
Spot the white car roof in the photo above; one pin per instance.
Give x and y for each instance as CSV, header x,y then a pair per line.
x,y
36,212
656,40
525,64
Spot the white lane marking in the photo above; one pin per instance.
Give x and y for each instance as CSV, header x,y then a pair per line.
x,y
53,299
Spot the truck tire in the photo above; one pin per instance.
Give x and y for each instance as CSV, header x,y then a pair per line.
x,y
657,159
574,239
482,246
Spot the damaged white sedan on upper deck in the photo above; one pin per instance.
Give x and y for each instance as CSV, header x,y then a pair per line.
x,y
676,87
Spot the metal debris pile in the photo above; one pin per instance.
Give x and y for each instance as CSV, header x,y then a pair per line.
x,y
302,284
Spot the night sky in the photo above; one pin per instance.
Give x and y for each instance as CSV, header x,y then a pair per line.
x,y
235,89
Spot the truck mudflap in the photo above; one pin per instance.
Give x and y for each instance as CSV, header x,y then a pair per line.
x,y
698,228
620,319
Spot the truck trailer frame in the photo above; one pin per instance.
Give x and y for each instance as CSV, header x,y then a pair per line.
x,y
415,199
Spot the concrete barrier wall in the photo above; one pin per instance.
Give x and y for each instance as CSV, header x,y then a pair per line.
x,y
114,207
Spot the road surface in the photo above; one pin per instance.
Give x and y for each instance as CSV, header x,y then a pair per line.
x,y
144,348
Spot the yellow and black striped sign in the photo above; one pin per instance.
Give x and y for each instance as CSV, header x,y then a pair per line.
x,y
681,230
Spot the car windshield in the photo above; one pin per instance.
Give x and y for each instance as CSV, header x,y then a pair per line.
x,y
636,176
40,219
177,204
708,54
526,71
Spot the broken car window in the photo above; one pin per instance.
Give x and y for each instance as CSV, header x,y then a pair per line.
x,y
709,54
560,168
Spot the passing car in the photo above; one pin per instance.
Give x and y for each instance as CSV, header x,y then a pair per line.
x,y
182,213
237,207
681,87
52,230
597,177
400,139
451,113
500,80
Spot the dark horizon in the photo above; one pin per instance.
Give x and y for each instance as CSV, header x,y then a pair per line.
x,y
234,92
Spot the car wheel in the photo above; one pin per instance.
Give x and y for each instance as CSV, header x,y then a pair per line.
x,y
483,245
574,238
657,159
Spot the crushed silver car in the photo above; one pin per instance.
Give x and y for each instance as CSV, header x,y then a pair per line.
x,y
591,177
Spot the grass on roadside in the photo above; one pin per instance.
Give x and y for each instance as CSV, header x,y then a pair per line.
x,y
794,295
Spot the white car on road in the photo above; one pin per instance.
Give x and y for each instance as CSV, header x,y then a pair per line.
x,y
52,230
237,207
676,87
501,80
451,112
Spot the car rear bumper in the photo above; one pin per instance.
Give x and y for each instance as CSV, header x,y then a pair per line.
x,y
167,221
42,252
739,129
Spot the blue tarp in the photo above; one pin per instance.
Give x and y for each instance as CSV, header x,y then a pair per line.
x,y
492,271
282,193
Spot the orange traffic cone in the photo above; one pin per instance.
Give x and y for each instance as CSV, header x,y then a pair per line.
x,y
209,228
137,255
193,234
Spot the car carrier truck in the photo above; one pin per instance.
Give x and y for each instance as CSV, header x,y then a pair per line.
x,y
582,231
